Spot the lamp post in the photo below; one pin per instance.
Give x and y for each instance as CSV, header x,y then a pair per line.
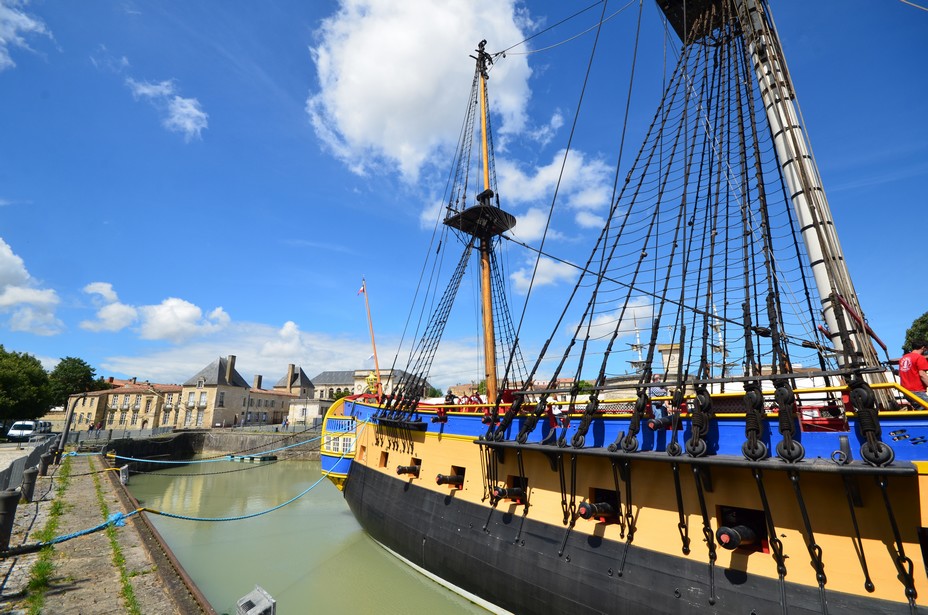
x,y
67,429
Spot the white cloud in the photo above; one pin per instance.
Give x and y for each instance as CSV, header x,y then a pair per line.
x,y
186,117
15,27
549,272
173,319
30,309
637,316
144,89
587,219
287,343
259,348
35,320
531,226
104,289
543,134
12,269
421,86
584,183
12,296
113,315
183,115
430,214
103,59
177,320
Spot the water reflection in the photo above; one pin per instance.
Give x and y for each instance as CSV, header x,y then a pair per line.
x,y
311,555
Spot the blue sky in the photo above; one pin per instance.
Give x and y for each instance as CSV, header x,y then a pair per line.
x,y
181,181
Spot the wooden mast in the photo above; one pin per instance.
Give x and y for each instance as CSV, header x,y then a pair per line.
x,y
484,221
486,288
370,324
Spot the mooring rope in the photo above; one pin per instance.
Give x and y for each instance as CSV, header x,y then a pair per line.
x,y
118,519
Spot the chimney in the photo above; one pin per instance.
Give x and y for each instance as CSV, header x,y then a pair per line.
x,y
230,368
290,378
257,381
110,379
133,379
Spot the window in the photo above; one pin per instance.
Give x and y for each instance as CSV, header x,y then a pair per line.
x,y
200,383
122,416
138,401
83,401
115,401
251,403
167,417
221,400
272,403
202,399
188,417
199,418
169,400
190,399
244,401
135,418
148,405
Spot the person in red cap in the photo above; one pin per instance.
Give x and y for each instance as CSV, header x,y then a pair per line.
x,y
913,369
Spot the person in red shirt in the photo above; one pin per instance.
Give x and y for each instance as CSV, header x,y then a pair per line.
x,y
913,369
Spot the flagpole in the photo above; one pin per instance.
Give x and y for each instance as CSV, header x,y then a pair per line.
x,y
370,323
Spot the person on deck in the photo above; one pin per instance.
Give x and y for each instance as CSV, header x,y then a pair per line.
x,y
657,390
913,369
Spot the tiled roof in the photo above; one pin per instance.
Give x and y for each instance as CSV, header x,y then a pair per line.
x,y
214,374
335,377
300,379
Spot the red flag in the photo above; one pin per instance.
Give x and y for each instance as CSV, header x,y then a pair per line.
x,y
361,290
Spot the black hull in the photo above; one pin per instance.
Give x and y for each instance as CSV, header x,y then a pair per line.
x,y
445,535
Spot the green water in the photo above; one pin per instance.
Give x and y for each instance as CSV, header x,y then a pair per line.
x,y
311,555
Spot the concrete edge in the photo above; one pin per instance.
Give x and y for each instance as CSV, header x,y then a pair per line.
x,y
185,593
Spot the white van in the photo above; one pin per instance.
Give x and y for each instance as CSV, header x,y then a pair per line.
x,y
21,431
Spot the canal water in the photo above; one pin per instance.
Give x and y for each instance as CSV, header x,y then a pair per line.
x,y
310,555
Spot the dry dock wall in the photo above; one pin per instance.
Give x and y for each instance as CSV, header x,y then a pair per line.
x,y
186,444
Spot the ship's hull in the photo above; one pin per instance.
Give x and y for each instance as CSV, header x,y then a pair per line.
x,y
839,526
445,535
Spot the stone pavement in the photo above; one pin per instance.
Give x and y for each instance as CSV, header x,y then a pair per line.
x,y
85,579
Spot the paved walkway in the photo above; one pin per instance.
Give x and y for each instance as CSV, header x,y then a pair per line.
x,y
85,579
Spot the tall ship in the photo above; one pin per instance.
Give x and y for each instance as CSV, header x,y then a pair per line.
x,y
751,451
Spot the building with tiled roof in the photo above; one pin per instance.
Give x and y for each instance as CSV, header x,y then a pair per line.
x,y
333,384
296,381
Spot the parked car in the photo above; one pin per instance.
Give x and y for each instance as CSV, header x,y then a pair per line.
x,y
22,431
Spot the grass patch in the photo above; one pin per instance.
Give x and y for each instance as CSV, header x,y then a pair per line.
x,y
40,574
128,594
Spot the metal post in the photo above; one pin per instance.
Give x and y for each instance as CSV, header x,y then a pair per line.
x,y
28,488
9,500
44,460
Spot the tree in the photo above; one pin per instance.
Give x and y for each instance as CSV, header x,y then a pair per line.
x,y
918,331
71,375
584,387
433,392
24,387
